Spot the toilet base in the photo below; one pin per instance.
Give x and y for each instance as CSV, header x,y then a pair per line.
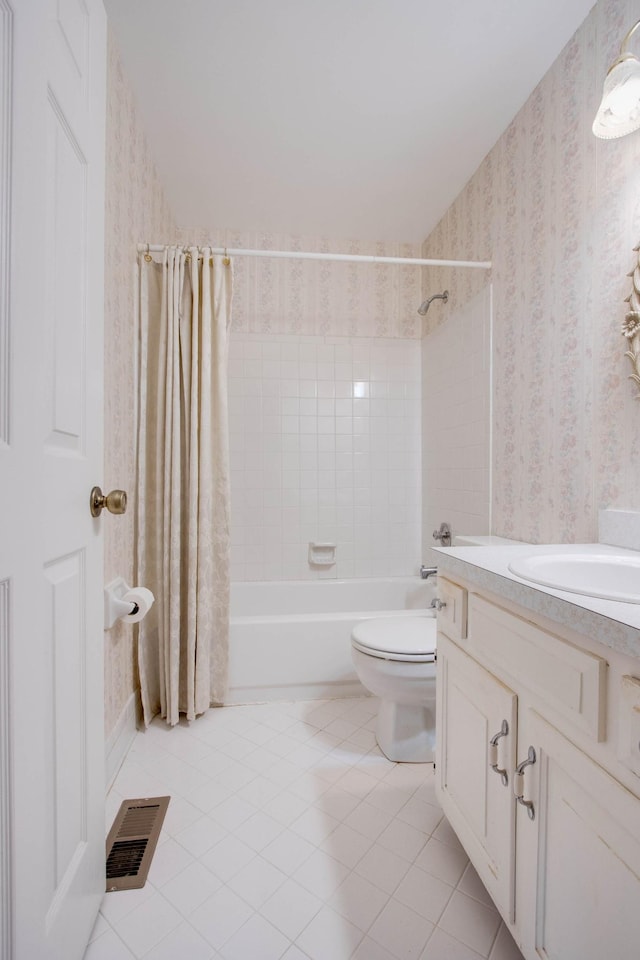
x,y
406,732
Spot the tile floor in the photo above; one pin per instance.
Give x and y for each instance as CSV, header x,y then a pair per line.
x,y
290,836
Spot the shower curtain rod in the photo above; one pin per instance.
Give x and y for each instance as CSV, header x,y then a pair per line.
x,y
343,257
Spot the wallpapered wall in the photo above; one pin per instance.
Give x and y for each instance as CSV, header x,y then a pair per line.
x,y
136,209
558,212
321,298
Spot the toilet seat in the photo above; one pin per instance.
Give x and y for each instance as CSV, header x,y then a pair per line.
x,y
410,639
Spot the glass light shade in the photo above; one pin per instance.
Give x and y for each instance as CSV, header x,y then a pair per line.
x,y
619,111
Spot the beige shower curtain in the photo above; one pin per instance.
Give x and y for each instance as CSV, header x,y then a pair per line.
x,y
183,480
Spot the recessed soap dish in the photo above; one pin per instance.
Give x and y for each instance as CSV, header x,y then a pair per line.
x,y
322,554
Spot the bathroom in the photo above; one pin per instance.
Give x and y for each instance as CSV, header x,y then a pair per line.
x,y
506,409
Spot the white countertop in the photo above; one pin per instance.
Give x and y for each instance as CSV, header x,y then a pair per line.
x,y
611,622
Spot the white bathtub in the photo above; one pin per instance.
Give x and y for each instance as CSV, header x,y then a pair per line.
x,y
291,639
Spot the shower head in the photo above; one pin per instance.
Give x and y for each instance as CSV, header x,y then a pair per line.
x,y
422,309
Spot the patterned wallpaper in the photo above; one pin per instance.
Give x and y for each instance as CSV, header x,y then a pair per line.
x,y
318,297
558,212
136,208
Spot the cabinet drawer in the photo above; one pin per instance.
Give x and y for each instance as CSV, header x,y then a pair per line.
x,y
452,618
629,724
569,680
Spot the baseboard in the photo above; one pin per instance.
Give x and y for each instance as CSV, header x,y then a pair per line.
x,y
300,691
120,739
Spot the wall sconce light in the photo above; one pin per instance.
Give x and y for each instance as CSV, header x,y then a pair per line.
x,y
619,111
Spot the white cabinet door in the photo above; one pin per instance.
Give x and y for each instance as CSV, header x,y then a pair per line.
x,y
472,708
578,862
52,113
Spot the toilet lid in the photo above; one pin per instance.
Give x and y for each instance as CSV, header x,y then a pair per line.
x,y
397,638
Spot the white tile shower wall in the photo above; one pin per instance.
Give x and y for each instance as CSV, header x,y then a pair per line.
x,y
456,390
325,446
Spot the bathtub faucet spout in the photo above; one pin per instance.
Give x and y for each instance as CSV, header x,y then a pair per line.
x,y
426,572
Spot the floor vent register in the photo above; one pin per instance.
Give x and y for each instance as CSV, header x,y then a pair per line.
x,y
132,842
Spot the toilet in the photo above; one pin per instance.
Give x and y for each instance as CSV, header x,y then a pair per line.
x,y
395,659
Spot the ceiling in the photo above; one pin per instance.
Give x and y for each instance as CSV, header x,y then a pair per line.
x,y
339,118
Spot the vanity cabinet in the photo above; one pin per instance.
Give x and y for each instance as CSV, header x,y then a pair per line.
x,y
563,863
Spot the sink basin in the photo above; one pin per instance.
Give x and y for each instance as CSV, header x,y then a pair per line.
x,y
607,576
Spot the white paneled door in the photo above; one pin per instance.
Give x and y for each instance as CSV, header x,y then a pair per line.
x,y
52,115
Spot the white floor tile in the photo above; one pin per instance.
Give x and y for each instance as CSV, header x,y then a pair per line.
x,y
201,836
310,786
236,776
321,874
256,939
403,839
261,760
337,803
375,764
321,840
180,813
422,816
345,845
368,820
257,881
220,916
314,825
108,946
295,953
169,859
329,937
118,904
445,833
401,931
148,924
259,830
472,885
443,947
231,813
358,900
383,867
228,858
285,807
505,947
189,889
258,792
358,782
423,893
283,773
443,861
470,922
291,908
100,926
288,851
410,776
282,745
387,797
184,941
370,950
208,796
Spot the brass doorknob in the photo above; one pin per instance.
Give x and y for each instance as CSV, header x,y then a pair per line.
x,y
115,502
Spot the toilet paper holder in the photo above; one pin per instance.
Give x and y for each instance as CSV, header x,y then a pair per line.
x,y
117,606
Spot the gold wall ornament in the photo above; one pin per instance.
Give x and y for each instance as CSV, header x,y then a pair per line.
x,y
631,326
